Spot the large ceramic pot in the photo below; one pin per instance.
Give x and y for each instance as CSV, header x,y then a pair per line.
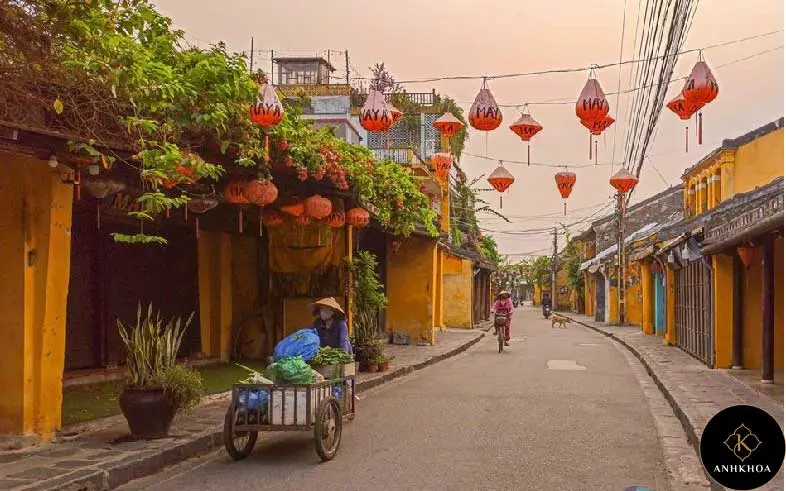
x,y
148,411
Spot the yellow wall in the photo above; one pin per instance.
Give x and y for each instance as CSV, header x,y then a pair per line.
x,y
35,248
723,308
214,252
563,291
537,295
633,296
589,295
439,306
457,282
412,278
247,314
647,299
671,314
758,162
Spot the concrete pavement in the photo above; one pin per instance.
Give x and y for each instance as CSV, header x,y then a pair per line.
x,y
560,409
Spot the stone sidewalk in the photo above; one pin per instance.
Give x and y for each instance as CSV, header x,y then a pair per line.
x,y
101,456
695,391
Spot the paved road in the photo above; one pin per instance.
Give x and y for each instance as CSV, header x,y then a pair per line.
x,y
480,421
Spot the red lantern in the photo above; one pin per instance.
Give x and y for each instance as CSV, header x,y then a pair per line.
x,y
337,219
501,180
395,114
746,254
358,217
303,220
592,104
623,181
268,110
442,162
484,115
260,192
317,207
565,182
295,209
701,88
272,218
375,114
448,125
526,127
234,193
684,110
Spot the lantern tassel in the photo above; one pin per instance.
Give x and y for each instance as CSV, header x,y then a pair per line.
x,y
700,128
267,147
686,138
185,212
500,201
596,152
240,219
78,184
565,208
98,215
590,147
527,153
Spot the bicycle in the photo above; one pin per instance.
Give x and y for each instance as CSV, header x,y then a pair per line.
x,y
500,321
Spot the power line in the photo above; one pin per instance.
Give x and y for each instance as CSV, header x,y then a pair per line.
x,y
586,68
619,77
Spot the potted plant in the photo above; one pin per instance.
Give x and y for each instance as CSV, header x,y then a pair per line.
x,y
368,300
156,387
383,361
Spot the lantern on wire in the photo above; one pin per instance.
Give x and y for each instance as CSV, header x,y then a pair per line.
x,y
358,217
375,115
592,106
317,207
484,115
100,189
200,205
526,127
701,88
442,163
596,128
565,182
267,112
685,110
501,180
448,125
235,194
623,181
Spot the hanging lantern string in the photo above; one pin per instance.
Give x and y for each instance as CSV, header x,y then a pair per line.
x,y
590,67
572,100
557,166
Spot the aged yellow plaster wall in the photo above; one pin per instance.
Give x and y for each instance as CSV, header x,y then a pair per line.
x,y
35,248
647,299
439,305
758,162
457,281
723,308
214,257
247,312
671,320
412,277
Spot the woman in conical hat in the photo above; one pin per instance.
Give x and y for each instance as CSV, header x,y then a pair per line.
x,y
331,325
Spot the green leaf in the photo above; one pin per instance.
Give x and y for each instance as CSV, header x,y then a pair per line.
x,y
58,105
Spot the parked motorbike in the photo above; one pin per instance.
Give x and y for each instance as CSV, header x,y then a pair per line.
x,y
515,303
546,311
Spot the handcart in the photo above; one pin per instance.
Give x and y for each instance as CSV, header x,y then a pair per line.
x,y
320,406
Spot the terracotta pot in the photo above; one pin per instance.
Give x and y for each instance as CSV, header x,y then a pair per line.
x,y
373,368
148,412
384,366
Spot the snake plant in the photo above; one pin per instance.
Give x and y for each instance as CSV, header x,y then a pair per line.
x,y
151,346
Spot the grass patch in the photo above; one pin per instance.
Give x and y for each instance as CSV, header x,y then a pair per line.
x,y
83,403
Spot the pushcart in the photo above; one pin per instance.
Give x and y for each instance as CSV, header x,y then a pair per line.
x,y
320,407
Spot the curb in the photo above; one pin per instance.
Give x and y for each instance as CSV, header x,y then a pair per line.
x,y
110,475
687,426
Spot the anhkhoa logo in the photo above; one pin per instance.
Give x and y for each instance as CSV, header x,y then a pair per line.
x,y
742,447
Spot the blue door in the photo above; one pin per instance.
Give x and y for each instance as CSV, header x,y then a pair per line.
x,y
660,303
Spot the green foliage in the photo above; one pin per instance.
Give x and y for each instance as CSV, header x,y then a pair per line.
x,y
368,297
332,356
488,247
151,346
572,257
541,271
184,387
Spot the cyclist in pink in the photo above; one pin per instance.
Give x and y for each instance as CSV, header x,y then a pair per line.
x,y
504,306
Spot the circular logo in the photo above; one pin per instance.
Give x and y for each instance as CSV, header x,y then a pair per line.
x,y
742,447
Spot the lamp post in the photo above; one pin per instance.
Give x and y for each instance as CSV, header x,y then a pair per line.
x,y
624,182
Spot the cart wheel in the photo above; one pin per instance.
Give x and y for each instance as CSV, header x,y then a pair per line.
x,y
501,340
327,429
239,444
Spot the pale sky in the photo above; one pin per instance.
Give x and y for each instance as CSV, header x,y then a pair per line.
x,y
424,39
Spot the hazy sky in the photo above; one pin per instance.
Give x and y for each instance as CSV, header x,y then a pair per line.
x,y
423,39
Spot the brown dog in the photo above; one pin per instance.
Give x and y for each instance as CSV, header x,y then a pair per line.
x,y
559,319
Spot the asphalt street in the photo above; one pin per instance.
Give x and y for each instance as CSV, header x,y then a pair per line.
x,y
560,409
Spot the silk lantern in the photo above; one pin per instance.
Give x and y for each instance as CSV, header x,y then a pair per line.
x,y
317,207
358,217
526,127
700,88
623,181
260,192
442,162
596,128
592,105
272,218
234,193
375,114
684,110
337,219
565,182
448,125
484,115
200,205
501,180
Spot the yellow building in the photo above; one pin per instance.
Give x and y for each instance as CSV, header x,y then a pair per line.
x,y
724,274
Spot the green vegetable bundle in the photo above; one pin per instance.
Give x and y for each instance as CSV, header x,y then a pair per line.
x,y
332,356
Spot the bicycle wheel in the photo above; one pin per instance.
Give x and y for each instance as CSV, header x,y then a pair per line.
x,y
501,338
238,444
327,429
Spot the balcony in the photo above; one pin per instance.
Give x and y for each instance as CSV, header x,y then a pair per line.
x,y
427,100
399,155
302,90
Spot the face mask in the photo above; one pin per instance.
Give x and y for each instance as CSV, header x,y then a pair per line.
x,y
325,314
